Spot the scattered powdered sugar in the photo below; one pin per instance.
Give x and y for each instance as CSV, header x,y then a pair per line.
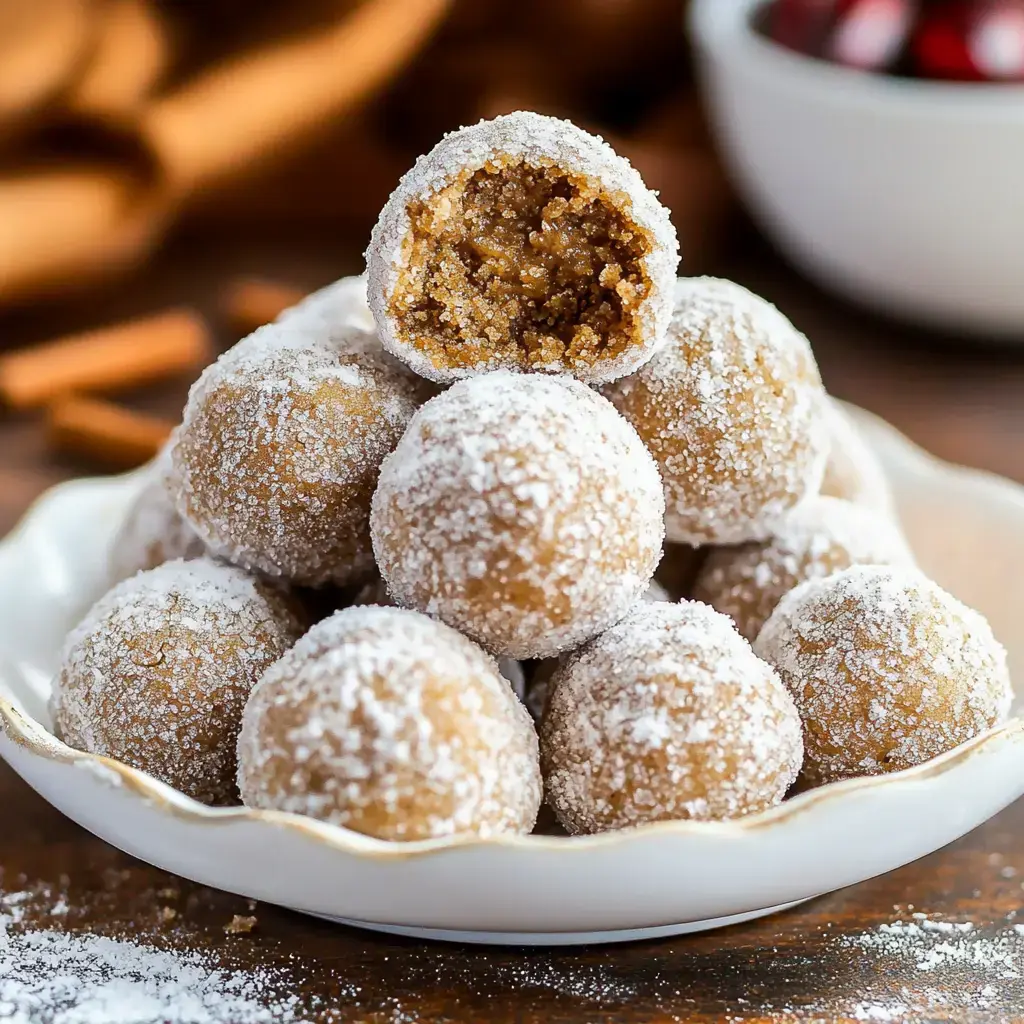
x,y
390,723
51,978
853,471
732,408
887,669
819,537
281,444
908,970
534,140
153,532
668,714
896,1011
56,977
158,671
520,509
935,945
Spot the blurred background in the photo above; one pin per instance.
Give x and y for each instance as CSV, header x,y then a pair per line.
x,y
219,157
125,122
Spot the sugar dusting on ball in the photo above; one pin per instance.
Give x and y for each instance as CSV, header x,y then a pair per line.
x,y
376,592
278,454
819,537
392,724
887,669
667,715
537,683
522,243
341,303
732,409
157,673
521,510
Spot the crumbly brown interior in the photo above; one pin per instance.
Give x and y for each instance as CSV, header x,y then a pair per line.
x,y
522,266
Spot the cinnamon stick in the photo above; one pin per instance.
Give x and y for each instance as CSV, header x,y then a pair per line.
x,y
103,432
250,302
253,107
131,52
109,359
42,43
68,225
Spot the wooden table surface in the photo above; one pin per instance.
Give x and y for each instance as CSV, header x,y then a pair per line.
x,y
820,962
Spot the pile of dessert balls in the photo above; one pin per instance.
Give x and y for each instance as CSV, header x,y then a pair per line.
x,y
424,510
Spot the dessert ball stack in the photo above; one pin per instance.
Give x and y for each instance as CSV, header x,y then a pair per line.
x,y
478,454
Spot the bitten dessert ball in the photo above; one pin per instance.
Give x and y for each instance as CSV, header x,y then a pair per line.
x,y
520,509
522,243
390,723
278,455
159,670
853,471
887,670
732,409
818,538
667,715
153,531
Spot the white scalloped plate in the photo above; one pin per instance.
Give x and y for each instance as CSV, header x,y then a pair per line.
x,y
668,878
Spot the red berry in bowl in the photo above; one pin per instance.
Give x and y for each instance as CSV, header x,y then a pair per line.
x,y
997,40
871,34
801,25
971,40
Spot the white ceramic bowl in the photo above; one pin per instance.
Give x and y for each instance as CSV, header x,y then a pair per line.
x,y
904,195
661,879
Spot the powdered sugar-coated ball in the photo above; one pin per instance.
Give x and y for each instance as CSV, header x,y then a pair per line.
x,y
341,303
853,471
159,670
153,531
819,537
522,243
887,670
392,724
732,409
278,454
520,509
669,714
